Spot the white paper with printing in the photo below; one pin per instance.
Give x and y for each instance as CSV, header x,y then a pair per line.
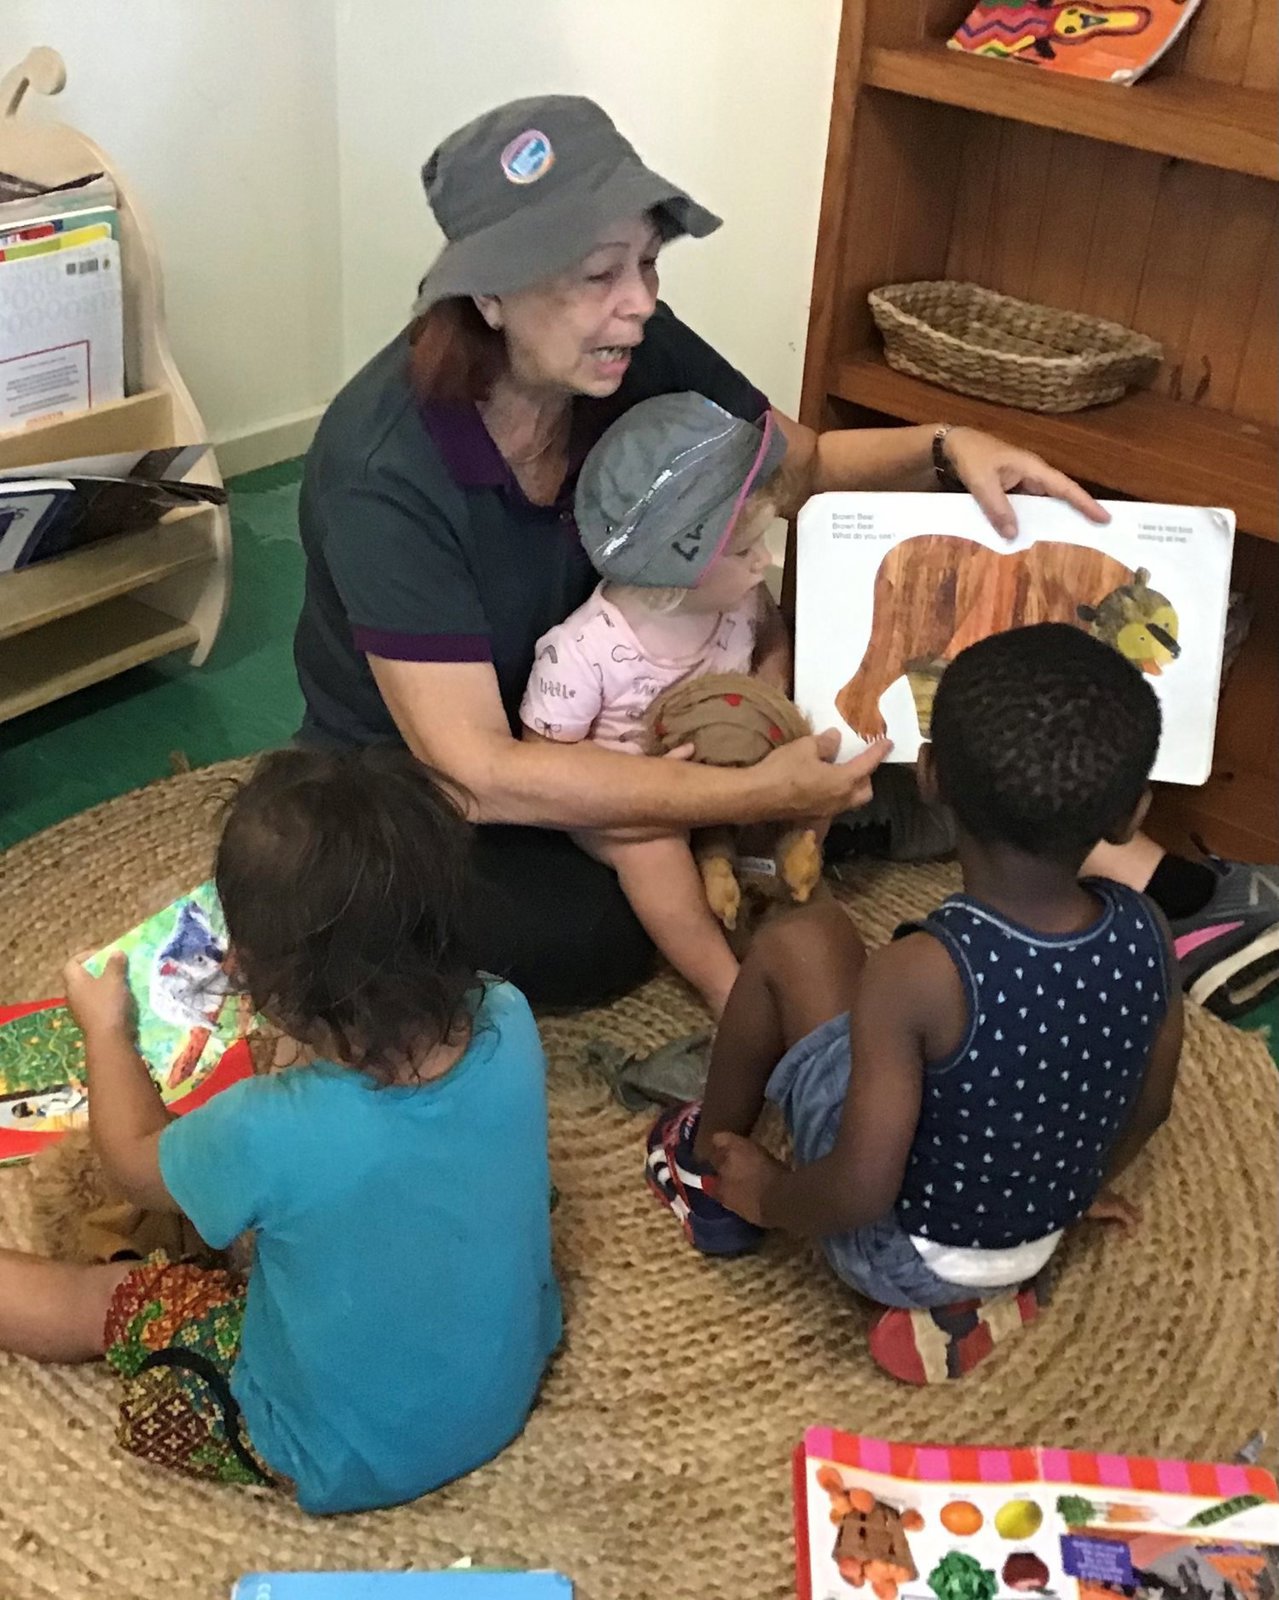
x,y
61,333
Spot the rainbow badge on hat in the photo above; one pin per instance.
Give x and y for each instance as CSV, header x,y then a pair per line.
x,y
528,157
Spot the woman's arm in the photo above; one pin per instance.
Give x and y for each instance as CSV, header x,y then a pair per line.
x,y
450,715
902,458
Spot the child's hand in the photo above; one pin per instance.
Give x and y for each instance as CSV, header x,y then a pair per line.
x,y
744,1173
101,1006
1112,1207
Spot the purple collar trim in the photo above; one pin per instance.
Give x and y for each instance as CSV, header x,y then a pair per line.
x,y
474,461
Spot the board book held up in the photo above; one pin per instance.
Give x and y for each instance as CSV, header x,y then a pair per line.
x,y
193,1029
891,587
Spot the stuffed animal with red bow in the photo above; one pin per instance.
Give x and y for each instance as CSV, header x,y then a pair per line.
x,y
732,720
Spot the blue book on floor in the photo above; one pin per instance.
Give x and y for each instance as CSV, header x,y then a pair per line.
x,y
460,1585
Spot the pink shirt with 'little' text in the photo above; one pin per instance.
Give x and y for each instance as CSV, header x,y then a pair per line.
x,y
593,679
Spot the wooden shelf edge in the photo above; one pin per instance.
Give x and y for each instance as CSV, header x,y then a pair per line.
x,y
43,593
142,421
1192,119
1234,813
84,649
1145,444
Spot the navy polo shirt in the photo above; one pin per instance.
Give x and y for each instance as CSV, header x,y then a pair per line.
x,y
421,546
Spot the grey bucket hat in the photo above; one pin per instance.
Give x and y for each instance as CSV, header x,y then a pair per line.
x,y
660,493
523,192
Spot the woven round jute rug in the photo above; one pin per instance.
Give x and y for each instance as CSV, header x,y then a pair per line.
x,y
657,1461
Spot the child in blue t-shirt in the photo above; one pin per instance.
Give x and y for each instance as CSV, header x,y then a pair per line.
x,y
960,1097
401,1305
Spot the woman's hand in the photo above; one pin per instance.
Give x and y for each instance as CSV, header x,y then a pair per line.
x,y
102,1007
805,783
990,470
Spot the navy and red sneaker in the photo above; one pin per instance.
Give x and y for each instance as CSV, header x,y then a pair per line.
x,y
677,1178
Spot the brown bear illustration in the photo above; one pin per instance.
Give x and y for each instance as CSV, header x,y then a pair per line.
x,y
938,594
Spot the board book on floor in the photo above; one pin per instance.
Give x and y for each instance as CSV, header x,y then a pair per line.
x,y
909,1522
891,587
193,1028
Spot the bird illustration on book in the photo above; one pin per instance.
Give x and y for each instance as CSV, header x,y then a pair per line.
x,y
190,986
188,982
939,593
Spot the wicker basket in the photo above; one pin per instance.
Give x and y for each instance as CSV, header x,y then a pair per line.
x,y
976,342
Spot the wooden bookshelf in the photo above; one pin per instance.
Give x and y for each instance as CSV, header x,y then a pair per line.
x,y
1190,119
1156,447
1155,206
78,650
59,588
85,616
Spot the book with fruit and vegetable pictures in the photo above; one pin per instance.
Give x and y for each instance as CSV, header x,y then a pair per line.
x,y
193,1029
891,587
885,1521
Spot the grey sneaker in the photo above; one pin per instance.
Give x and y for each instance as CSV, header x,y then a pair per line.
x,y
1228,953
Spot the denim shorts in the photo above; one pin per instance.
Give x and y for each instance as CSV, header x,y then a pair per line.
x,y
809,1085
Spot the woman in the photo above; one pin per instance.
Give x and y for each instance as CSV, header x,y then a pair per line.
x,y
436,515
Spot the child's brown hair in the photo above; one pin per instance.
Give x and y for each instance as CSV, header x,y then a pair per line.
x,y
344,877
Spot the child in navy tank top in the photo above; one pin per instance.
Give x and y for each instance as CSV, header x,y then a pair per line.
x,y
958,1098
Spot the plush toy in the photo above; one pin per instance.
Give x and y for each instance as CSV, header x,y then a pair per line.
x,y
78,1215
733,720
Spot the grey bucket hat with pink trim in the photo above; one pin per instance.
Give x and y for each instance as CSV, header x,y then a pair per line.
x,y
525,191
660,493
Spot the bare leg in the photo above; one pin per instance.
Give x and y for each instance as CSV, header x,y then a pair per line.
x,y
661,880
55,1310
801,971
1132,864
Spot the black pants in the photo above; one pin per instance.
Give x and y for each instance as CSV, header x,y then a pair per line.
x,y
552,920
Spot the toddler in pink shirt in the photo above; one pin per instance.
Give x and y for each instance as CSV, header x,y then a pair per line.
x,y
672,504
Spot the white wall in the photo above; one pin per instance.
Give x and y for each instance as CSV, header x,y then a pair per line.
x,y
221,115
275,147
728,98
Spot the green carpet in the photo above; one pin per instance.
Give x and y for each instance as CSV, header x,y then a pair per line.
x,y
117,735
122,733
